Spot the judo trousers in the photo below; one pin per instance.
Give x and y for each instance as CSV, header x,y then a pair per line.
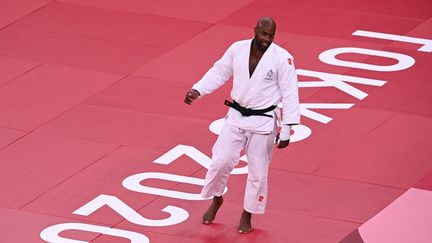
x,y
226,155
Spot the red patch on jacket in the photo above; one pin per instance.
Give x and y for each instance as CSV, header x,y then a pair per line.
x,y
290,61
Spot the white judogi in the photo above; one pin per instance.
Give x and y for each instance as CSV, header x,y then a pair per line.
x,y
273,80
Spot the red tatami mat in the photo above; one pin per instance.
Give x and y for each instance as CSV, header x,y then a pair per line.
x,y
12,68
39,162
47,92
11,11
8,136
96,144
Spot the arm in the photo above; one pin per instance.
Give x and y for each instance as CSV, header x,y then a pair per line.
x,y
215,77
288,85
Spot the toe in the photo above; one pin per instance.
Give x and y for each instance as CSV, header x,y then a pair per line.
x,y
244,230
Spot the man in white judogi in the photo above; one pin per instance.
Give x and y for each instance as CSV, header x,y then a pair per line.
x,y
263,75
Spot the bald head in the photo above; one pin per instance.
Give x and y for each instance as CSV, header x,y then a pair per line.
x,y
266,22
265,31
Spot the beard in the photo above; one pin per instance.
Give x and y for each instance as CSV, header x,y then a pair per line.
x,y
262,45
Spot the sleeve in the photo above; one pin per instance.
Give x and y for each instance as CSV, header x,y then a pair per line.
x,y
217,75
288,85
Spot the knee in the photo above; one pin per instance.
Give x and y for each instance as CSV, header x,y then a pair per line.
x,y
224,158
220,165
257,179
223,163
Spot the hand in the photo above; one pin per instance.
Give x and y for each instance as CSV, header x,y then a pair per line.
x,y
281,144
191,96
283,137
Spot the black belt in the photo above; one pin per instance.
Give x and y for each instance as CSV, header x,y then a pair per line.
x,y
249,112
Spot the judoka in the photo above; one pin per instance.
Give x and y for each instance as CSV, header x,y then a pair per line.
x,y
263,76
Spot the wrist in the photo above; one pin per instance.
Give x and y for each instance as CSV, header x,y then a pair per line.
x,y
285,132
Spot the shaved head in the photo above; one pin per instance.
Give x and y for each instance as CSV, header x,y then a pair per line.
x,y
265,31
266,21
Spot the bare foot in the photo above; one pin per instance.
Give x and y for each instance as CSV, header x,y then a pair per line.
x,y
245,225
210,214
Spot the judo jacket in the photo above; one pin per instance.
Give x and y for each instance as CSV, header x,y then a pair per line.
x,y
273,81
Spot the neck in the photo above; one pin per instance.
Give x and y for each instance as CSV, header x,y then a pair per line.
x,y
256,49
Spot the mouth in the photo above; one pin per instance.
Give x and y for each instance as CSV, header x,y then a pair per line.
x,y
265,44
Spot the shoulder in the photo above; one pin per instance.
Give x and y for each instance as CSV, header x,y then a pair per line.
x,y
281,53
240,44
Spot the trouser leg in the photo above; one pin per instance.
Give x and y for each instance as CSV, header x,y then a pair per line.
x,y
259,152
226,155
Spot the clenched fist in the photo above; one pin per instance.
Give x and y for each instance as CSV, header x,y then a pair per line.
x,y
191,96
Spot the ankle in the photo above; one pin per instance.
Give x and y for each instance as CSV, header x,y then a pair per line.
x,y
218,200
246,214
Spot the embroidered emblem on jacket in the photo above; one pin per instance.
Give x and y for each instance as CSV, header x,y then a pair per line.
x,y
269,75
